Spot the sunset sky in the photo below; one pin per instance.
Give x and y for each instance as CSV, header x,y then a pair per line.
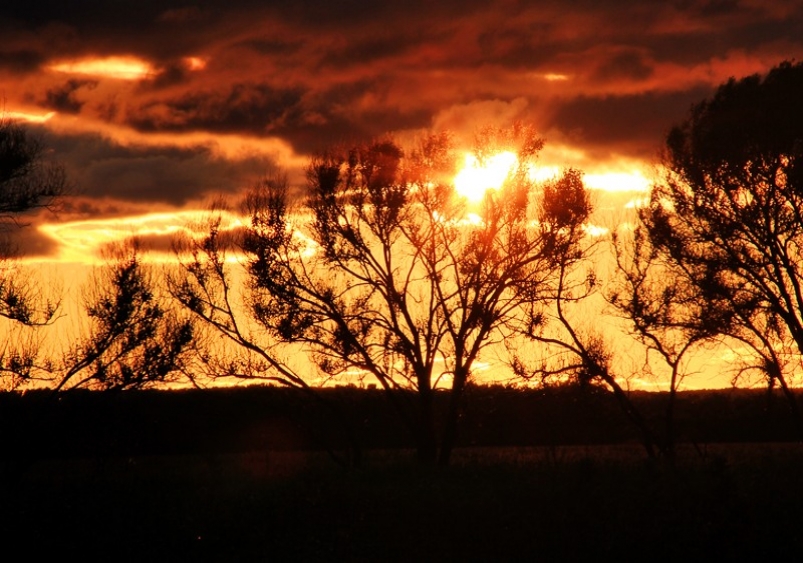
x,y
153,107
156,107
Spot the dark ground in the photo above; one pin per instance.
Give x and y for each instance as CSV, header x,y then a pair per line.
x,y
115,482
741,503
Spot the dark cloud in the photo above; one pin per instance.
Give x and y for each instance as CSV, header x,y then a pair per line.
x,y
271,46
313,132
92,15
166,175
77,206
21,62
603,77
63,98
628,64
634,125
27,241
243,107
189,14
368,49
229,240
171,74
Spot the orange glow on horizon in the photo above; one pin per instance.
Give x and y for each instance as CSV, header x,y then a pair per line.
x,y
122,68
475,178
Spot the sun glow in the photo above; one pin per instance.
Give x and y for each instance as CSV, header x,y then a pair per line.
x,y
122,68
477,177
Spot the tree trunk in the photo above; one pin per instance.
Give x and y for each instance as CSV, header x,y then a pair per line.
x,y
667,445
793,406
426,442
449,438
669,416
647,439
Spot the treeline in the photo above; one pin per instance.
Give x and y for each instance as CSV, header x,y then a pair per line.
x,y
262,418
384,273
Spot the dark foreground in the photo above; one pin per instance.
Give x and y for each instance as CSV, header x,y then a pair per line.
x,y
721,503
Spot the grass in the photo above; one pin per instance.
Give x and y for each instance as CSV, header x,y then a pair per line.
x,y
567,503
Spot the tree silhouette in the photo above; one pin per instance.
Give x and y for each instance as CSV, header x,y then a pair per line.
x,y
665,313
130,340
565,348
384,274
726,218
133,340
29,181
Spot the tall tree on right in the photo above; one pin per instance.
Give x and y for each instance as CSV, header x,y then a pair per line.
x,y
726,218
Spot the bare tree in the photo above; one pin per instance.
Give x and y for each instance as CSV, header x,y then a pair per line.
x,y
384,273
211,284
665,314
568,347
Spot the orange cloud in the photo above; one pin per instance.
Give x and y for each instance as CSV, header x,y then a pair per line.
x,y
121,68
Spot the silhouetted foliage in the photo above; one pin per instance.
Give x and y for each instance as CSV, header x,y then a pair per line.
x,y
726,220
664,313
384,275
29,181
208,286
565,348
131,339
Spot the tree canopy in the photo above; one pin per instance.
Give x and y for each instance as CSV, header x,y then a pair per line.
x,y
385,274
29,181
131,338
726,219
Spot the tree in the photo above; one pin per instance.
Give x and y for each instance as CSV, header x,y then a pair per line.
x,y
665,313
383,272
566,348
130,340
29,181
726,218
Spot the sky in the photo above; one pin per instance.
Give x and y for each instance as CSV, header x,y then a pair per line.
x,y
155,108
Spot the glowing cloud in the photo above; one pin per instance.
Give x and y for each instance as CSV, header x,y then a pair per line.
x,y
29,117
195,63
121,68
595,230
637,203
80,241
633,181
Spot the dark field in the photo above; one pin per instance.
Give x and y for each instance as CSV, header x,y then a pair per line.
x,y
131,489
